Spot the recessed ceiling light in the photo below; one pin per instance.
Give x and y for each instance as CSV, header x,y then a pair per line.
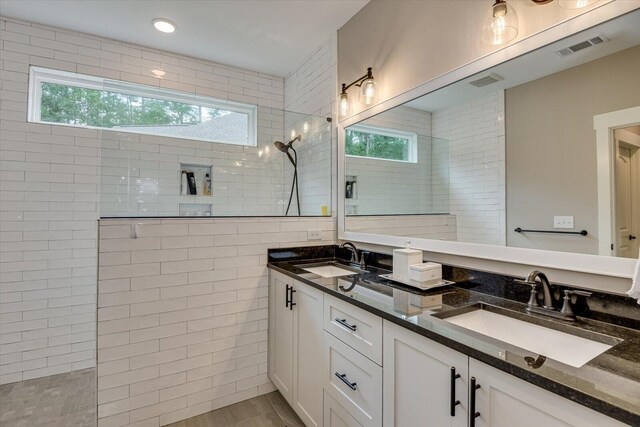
x,y
164,25
158,72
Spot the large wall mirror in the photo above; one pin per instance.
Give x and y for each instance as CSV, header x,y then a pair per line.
x,y
511,156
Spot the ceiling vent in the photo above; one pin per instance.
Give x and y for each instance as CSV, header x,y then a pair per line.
x,y
487,80
582,45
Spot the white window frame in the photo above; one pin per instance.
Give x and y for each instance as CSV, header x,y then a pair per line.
x,y
412,137
39,75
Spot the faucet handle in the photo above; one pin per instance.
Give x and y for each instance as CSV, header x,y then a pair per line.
x,y
363,265
566,309
576,292
533,296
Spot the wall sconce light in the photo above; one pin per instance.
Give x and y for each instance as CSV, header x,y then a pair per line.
x,y
366,96
501,24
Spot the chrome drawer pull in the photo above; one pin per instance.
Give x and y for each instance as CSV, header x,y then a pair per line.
x,y
343,378
344,323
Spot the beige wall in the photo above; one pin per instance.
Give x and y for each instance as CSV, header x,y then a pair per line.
x,y
551,148
423,39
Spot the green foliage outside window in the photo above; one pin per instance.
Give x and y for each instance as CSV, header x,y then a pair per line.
x,y
365,144
91,107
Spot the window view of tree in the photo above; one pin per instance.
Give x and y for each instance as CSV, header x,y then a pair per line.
x,y
91,107
365,144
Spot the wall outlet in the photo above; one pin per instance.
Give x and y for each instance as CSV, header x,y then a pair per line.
x,y
562,222
314,235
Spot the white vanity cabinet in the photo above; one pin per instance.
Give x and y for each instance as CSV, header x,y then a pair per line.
x,y
425,382
506,401
421,389
295,345
341,366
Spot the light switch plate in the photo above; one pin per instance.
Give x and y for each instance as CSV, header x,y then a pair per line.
x,y
562,222
314,235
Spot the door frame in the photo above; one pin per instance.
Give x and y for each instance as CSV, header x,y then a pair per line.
x,y
605,125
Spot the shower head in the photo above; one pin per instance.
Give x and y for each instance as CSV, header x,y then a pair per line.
x,y
281,146
285,147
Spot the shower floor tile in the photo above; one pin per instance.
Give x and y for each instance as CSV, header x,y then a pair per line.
x,y
62,400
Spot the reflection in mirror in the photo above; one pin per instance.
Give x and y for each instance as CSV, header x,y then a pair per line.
x,y
510,156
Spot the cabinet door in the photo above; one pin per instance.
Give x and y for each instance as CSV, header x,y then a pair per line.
x,y
419,389
506,401
307,354
281,335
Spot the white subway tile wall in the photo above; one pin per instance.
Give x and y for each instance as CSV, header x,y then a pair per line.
x,y
440,227
389,187
475,131
50,183
141,173
182,313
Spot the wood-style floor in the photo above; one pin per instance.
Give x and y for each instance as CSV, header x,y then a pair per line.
x,y
269,410
63,400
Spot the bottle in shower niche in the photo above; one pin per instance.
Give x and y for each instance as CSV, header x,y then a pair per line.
x,y
206,189
192,183
184,184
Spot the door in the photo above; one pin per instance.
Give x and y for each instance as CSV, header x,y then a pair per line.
x,y
281,335
503,400
627,194
421,381
307,358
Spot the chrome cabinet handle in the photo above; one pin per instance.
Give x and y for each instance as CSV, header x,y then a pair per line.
x,y
343,322
454,402
472,402
343,378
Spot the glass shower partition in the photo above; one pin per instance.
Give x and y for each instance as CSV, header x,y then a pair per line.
x,y
144,175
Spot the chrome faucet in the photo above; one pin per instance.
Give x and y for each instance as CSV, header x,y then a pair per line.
x,y
353,249
546,289
566,313
354,254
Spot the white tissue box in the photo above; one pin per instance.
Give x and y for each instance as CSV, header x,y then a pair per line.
x,y
426,301
402,259
425,271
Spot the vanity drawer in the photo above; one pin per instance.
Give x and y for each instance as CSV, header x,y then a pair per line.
x,y
335,415
356,327
354,381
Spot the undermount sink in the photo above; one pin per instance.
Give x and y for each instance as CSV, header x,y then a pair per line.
x,y
564,347
328,270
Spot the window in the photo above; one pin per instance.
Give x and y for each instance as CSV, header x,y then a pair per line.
x,y
64,98
380,143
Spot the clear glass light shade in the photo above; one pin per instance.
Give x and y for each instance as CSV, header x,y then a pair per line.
x,y
501,24
344,106
575,4
368,92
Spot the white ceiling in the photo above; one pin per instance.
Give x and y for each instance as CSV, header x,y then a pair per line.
x,y
269,36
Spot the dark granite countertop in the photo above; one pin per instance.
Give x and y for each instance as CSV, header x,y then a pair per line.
x,y
609,383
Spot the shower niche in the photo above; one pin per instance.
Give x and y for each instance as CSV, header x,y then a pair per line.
x,y
194,190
